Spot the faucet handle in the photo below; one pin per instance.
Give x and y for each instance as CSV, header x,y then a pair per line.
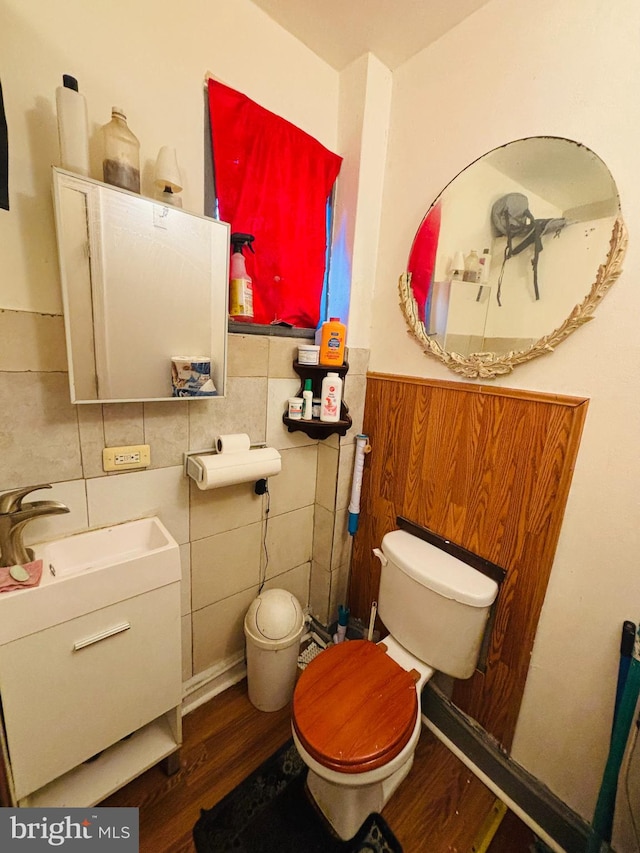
x,y
11,501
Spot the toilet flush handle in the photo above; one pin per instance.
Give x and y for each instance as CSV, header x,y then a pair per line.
x,y
378,553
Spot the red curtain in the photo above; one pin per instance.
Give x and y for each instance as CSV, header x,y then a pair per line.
x,y
273,181
422,258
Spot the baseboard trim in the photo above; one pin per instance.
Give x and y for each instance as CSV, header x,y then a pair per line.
x,y
205,685
560,828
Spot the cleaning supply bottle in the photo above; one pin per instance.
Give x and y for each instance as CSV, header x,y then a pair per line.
x,y
307,401
332,340
240,284
121,163
73,128
331,398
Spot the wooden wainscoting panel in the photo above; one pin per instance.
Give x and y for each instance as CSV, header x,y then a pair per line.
x,y
489,469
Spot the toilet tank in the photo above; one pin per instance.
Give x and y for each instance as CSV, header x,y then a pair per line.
x,y
434,605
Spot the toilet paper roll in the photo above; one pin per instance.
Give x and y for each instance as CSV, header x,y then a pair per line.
x,y
233,443
240,466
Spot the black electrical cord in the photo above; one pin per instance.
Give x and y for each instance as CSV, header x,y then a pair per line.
x,y
262,488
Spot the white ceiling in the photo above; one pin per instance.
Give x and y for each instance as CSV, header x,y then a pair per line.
x,y
340,31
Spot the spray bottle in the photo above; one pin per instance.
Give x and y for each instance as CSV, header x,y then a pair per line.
x,y
240,284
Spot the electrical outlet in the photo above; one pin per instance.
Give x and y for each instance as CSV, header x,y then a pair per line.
x,y
126,458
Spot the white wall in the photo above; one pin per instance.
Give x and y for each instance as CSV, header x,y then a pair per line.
x,y
365,102
150,58
565,68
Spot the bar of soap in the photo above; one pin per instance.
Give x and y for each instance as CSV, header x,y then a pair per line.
x,y
19,573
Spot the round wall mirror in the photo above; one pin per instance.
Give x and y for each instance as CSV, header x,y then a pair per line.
x,y
513,256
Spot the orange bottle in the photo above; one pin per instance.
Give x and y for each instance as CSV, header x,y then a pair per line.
x,y
332,341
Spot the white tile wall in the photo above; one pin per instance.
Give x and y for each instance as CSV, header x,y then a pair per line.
x,y
242,410
296,581
123,424
163,492
218,632
295,485
225,564
289,540
38,430
277,434
320,592
327,476
33,342
187,650
223,509
185,588
46,439
73,495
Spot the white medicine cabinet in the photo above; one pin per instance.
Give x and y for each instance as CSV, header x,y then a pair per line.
x,y
142,282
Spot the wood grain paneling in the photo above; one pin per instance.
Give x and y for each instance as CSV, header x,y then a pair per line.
x,y
489,469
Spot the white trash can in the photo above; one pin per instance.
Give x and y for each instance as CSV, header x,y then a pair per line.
x,y
273,627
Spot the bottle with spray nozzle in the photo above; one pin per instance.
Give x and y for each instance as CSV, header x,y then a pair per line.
x,y
240,284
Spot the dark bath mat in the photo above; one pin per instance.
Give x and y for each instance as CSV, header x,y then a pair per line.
x,y
270,812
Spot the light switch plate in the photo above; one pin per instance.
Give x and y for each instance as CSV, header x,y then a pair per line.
x,y
126,458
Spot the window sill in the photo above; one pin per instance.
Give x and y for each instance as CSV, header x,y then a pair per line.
x,y
236,328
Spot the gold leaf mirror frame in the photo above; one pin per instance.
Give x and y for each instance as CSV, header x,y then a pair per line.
x,y
573,192
488,365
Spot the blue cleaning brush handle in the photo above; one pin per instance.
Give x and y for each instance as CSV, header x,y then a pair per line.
x,y
343,615
626,650
602,824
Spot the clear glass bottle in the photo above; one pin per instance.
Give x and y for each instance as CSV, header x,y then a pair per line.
x,y
472,267
121,163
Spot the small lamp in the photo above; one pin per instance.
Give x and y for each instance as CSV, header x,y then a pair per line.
x,y
167,177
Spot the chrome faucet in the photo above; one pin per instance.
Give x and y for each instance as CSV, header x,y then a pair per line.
x,y
14,515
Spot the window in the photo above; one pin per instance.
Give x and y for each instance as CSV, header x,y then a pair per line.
x,y
274,181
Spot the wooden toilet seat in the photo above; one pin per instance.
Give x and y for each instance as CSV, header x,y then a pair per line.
x,y
354,708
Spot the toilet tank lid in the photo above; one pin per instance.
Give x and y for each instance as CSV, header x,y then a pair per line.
x,y
435,569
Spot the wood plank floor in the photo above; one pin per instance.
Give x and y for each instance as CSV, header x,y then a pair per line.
x,y
439,808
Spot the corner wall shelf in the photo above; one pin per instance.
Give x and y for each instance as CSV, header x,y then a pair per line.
x,y
315,428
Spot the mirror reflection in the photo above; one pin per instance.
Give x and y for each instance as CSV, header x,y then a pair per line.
x,y
513,255
142,283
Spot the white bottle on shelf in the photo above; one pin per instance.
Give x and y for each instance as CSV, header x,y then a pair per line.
x,y
73,128
331,398
307,401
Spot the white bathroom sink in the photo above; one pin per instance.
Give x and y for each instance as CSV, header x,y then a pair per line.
x,y
91,570
97,549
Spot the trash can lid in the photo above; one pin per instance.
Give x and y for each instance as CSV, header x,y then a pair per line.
x,y
274,615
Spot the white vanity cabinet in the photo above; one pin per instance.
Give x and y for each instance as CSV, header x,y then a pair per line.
x,y
92,701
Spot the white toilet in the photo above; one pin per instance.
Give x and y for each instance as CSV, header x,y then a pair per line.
x,y
356,707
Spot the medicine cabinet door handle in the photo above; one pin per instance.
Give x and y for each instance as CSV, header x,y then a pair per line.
x,y
103,635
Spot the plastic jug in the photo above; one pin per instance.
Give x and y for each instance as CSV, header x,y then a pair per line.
x,y
332,340
121,163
